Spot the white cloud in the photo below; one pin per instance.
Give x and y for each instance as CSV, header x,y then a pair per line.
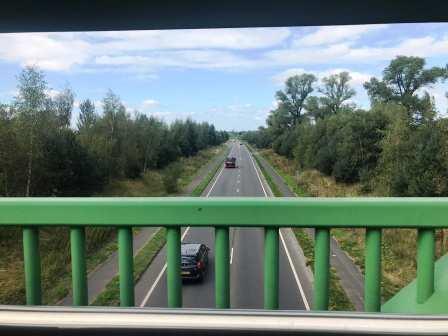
x,y
209,59
149,104
341,53
63,51
333,34
358,78
48,51
423,47
281,78
52,93
244,38
439,91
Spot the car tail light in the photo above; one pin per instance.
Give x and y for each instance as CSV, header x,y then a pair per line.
x,y
200,264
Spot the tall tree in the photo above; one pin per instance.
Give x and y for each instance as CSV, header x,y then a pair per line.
x,y
336,91
31,104
402,79
87,116
63,103
292,98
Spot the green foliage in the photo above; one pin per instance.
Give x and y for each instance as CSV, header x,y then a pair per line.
x,y
414,159
42,156
336,91
171,177
402,79
397,148
297,90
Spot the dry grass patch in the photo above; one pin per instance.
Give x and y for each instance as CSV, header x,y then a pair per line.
x,y
398,245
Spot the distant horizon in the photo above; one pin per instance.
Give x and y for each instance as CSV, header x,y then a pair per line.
x,y
227,77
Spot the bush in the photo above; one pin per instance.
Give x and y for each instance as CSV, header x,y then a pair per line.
x,y
171,176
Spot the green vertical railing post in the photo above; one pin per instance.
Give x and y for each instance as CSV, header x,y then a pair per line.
x,y
79,276
425,264
372,281
174,281
31,260
126,266
271,268
222,268
321,268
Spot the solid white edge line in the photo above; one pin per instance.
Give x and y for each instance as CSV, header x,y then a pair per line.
x,y
154,285
258,175
156,282
302,292
291,264
214,183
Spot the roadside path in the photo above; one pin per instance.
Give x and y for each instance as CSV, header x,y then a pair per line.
x,y
351,277
103,273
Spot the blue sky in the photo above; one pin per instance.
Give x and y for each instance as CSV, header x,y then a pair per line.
x,y
225,76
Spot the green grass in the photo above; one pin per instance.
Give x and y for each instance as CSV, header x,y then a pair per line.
x,y
398,245
100,242
338,299
111,295
206,181
286,175
268,178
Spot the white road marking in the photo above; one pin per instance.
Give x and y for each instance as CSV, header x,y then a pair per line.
x,y
145,300
237,190
214,183
231,256
258,175
154,285
296,277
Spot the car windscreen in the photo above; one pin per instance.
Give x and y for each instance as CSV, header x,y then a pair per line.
x,y
188,259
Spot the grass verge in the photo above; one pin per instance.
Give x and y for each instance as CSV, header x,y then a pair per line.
x,y
206,181
398,245
111,294
268,178
100,242
338,298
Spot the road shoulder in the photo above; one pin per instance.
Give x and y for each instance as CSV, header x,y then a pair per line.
x,y
350,276
294,251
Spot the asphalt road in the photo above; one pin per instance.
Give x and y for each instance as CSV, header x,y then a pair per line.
x,y
246,270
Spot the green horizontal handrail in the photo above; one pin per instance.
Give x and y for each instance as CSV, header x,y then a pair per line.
x,y
322,214
255,212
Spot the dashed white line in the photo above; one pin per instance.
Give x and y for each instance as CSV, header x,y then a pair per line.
x,y
231,256
154,285
148,295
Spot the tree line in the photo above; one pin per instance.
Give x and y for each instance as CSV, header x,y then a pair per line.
x,y
398,147
42,155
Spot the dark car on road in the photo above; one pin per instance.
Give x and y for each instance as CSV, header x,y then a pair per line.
x,y
230,162
194,261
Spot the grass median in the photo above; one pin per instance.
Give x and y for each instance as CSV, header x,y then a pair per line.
x,y
111,294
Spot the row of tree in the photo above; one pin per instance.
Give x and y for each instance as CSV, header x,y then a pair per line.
x,y
398,147
42,155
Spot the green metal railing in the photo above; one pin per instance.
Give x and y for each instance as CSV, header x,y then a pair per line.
x,y
373,214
